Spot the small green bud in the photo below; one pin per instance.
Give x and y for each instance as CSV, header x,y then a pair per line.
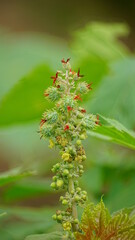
x,y
64,202
81,166
78,142
65,172
59,183
57,165
81,171
53,185
54,217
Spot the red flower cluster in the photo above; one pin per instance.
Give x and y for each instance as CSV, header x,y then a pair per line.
x,y
63,61
77,97
66,127
69,108
54,78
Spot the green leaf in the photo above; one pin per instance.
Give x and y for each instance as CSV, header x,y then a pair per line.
x,y
100,41
113,131
25,102
20,53
115,95
13,175
49,236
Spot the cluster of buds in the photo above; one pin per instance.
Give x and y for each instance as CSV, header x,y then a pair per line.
x,y
66,126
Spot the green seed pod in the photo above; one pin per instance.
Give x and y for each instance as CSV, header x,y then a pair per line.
x,y
65,172
59,217
61,198
83,157
59,183
54,217
64,202
76,221
53,185
82,137
78,189
54,178
84,192
78,142
84,197
77,198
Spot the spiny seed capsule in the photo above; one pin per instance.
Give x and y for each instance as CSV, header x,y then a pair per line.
x,y
59,183
82,137
61,198
78,142
83,157
65,156
78,189
64,202
70,166
54,178
65,172
59,217
84,192
53,185
54,217
76,221
77,198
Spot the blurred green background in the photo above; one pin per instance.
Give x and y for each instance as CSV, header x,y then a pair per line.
x,y
35,35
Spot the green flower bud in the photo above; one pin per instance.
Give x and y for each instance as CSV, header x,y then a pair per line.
x,y
54,178
70,166
84,197
84,192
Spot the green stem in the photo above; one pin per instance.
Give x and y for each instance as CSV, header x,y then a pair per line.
x,y
74,208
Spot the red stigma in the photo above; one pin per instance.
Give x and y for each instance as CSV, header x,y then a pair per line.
x,y
42,122
69,108
54,78
89,86
97,122
78,73
83,111
77,97
63,61
66,127
46,94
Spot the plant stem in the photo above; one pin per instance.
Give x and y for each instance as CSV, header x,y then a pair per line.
x,y
74,208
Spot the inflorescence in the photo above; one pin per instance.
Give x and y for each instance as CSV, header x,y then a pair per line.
x,y
65,126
